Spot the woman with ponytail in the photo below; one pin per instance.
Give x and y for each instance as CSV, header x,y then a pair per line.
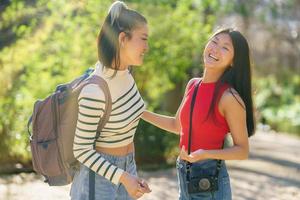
x,y
108,169
217,104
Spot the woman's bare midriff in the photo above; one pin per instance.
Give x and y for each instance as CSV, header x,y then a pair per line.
x,y
118,151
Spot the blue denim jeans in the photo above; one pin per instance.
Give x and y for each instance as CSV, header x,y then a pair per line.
x,y
104,189
223,192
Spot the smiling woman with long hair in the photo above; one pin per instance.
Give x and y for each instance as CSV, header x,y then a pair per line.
x,y
214,105
122,42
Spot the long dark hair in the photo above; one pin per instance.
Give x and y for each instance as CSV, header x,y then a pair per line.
x,y
119,19
238,76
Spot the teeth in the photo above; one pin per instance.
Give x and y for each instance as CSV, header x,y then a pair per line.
x,y
213,57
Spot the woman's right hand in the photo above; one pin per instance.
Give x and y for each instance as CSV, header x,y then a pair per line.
x,y
135,186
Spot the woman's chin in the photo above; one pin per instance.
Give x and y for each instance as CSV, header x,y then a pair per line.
x,y
139,63
209,66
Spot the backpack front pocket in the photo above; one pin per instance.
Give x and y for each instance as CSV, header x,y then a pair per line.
x,y
46,158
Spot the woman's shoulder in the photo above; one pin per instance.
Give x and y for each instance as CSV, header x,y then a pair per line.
x,y
193,81
92,91
231,97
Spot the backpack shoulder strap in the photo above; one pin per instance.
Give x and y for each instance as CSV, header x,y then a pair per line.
x,y
94,79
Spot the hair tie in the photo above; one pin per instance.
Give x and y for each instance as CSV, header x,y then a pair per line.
x,y
115,10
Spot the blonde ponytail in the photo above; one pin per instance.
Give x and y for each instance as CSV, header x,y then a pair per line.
x,y
115,10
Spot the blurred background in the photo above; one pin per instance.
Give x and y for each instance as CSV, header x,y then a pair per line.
x,y
44,43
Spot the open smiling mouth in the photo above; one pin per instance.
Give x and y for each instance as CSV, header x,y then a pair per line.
x,y
213,57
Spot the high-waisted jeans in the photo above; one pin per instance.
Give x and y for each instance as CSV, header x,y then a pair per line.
x,y
104,189
223,192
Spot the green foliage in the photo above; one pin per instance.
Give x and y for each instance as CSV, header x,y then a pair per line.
x,y
155,145
37,62
278,102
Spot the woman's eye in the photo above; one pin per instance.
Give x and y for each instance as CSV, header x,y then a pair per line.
x,y
145,39
226,48
214,42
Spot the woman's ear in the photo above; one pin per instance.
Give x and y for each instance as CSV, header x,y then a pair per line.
x,y
122,38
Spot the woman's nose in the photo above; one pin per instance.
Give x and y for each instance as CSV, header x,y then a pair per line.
x,y
215,49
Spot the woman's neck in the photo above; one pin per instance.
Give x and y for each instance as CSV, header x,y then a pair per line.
x,y
210,76
122,66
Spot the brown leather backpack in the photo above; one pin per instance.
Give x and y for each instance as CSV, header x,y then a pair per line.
x,y
53,128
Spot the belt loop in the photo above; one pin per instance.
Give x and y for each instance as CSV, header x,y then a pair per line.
x,y
188,170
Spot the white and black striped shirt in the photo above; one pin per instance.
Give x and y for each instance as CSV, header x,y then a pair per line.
x,y
127,108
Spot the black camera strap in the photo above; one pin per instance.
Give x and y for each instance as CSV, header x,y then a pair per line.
x,y
191,114
190,133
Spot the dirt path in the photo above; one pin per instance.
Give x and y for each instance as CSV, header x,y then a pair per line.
x,y
271,173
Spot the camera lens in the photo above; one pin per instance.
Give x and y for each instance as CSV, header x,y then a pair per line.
x,y
204,184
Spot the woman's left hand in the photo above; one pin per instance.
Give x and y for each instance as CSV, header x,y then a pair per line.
x,y
193,157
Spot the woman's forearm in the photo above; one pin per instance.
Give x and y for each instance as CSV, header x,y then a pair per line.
x,y
162,121
232,153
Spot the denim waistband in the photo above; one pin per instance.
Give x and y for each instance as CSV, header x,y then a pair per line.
x,y
118,158
203,163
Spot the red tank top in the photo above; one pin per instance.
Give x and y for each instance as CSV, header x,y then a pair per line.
x,y
208,133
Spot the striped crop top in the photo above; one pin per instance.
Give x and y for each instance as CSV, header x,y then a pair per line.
x,y
127,108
